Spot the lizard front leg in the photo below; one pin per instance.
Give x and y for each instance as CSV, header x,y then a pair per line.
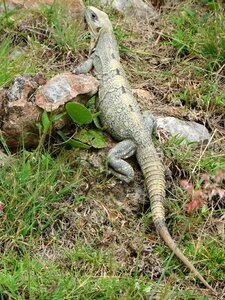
x,y
85,67
120,168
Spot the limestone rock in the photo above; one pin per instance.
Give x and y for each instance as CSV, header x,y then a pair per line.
x,y
20,112
136,7
3,97
19,122
24,86
64,87
22,104
191,131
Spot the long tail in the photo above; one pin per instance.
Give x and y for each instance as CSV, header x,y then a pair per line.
x,y
153,172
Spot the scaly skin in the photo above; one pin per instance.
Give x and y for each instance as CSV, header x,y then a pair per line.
x,y
119,112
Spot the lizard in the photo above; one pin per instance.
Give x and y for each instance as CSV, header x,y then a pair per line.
x,y
120,114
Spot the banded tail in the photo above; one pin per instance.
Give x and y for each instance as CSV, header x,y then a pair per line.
x,y
153,172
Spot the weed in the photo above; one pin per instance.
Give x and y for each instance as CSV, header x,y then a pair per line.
x,y
64,31
201,35
6,18
32,187
211,186
12,62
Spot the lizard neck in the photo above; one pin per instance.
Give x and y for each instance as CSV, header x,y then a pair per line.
x,y
106,59
106,43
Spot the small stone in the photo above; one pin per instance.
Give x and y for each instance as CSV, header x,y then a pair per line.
x,y
142,94
191,131
66,87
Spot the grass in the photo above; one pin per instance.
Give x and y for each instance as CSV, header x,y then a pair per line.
x,y
37,41
59,282
70,232
200,34
12,62
35,179
63,30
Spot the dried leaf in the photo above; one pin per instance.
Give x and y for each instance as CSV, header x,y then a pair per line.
x,y
187,186
221,192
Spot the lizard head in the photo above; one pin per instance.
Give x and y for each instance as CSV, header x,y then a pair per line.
x,y
96,20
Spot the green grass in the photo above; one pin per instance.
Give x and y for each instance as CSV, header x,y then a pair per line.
x,y
200,33
38,41
186,157
198,36
36,278
29,195
12,62
64,30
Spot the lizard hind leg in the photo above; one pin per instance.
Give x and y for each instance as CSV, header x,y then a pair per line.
x,y
150,122
118,166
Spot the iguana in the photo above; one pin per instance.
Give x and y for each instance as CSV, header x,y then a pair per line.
x,y
120,114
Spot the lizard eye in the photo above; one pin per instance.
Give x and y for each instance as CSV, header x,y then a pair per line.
x,y
93,16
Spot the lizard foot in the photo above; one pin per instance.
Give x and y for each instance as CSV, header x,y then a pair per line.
x,y
119,167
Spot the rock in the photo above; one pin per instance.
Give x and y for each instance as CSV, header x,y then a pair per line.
x,y
3,97
21,106
65,87
191,131
9,6
20,112
136,7
24,86
19,122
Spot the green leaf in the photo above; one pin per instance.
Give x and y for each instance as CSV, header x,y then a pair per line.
x,y
57,117
91,103
39,126
97,121
71,142
26,170
92,137
78,144
45,121
62,135
78,113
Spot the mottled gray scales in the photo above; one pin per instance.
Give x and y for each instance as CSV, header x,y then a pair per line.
x,y
120,113
123,89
